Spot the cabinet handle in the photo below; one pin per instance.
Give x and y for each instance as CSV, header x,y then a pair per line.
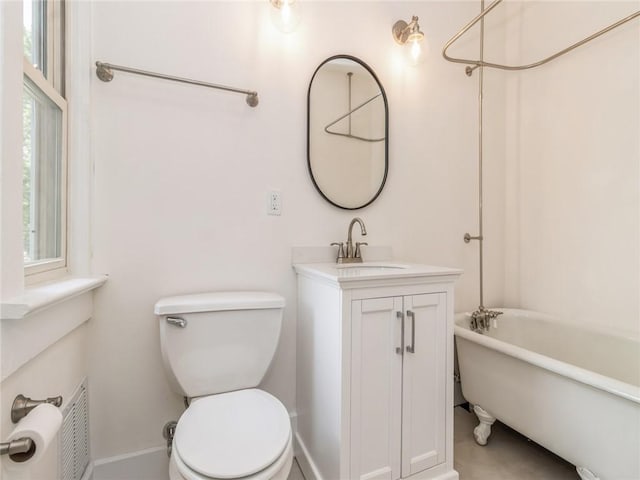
x,y
412,348
400,349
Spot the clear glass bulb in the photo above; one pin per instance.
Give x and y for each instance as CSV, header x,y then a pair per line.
x,y
285,15
415,52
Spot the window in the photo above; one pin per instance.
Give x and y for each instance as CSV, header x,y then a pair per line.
x,y
44,122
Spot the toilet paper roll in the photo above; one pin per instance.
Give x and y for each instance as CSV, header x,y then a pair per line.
x,y
41,425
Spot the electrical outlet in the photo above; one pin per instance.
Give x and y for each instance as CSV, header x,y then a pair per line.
x,y
274,203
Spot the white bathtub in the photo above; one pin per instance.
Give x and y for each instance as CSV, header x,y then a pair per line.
x,y
575,391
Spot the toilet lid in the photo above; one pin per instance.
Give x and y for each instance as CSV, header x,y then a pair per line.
x,y
233,434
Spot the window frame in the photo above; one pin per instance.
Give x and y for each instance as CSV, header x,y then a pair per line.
x,y
52,86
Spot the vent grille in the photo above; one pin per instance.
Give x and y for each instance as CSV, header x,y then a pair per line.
x,y
74,435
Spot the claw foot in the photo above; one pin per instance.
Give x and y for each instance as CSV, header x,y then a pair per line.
x,y
483,430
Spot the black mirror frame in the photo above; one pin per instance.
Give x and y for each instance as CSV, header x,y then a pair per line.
x,y
386,130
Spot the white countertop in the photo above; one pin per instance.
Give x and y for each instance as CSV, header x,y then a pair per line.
x,y
383,270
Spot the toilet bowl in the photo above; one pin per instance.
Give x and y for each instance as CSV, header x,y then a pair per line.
x,y
243,434
216,348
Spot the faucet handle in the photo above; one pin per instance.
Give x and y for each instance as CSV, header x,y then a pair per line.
x,y
358,254
340,246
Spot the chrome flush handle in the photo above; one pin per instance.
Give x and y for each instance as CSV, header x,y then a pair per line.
x,y
177,321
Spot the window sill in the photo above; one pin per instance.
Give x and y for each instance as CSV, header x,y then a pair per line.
x,y
41,316
39,297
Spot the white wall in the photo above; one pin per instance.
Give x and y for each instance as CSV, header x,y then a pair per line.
x,y
182,175
572,167
58,370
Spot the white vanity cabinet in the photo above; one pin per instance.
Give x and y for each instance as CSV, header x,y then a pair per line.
x,y
374,372
397,385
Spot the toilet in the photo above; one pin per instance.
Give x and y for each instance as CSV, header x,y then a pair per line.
x,y
216,349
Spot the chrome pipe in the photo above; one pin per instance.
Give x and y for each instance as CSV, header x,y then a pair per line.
x,y
473,64
464,30
480,158
104,71
350,74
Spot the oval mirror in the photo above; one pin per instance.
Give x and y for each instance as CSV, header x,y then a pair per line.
x,y
347,132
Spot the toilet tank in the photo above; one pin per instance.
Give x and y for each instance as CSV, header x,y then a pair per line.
x,y
218,342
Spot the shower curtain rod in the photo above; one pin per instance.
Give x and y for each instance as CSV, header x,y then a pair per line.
x,y
349,113
104,71
481,63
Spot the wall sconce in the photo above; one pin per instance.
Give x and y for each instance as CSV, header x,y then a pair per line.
x,y
410,35
285,15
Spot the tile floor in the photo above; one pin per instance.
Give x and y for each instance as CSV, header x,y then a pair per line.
x,y
296,473
507,456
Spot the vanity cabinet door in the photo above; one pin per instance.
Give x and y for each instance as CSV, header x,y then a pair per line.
x,y
424,383
376,376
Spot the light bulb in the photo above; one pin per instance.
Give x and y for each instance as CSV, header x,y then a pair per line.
x,y
415,52
285,15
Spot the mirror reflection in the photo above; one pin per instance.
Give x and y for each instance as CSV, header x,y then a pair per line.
x,y
347,132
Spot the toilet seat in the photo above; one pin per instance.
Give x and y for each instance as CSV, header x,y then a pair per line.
x,y
232,435
279,470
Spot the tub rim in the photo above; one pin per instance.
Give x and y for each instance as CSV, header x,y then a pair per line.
x,y
579,374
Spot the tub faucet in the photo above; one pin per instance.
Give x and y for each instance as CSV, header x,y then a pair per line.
x,y
351,254
481,319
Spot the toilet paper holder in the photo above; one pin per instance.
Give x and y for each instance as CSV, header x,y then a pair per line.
x,y
22,448
23,405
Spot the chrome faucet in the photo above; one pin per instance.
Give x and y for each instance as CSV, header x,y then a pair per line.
x,y
351,255
481,319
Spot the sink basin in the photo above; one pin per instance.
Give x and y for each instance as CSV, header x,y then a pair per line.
x,y
370,268
372,265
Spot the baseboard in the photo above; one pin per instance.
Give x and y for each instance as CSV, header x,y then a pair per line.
x,y
88,473
309,469
149,464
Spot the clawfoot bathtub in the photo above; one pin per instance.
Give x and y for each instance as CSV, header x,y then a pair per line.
x,y
573,390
